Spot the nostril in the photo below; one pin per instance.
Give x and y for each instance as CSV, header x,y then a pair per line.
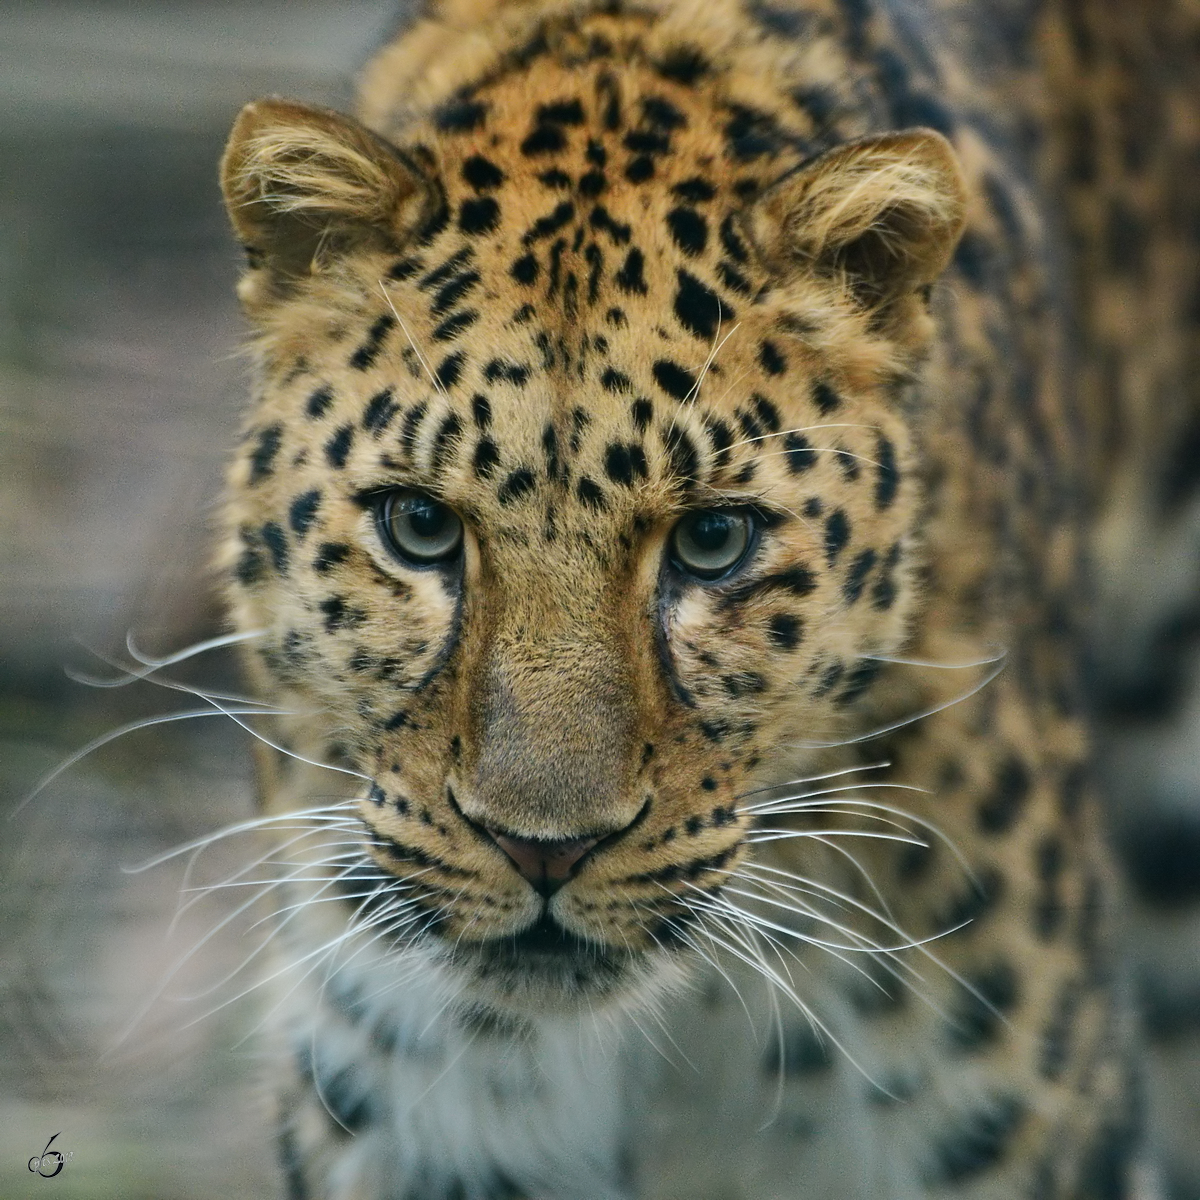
x,y
546,864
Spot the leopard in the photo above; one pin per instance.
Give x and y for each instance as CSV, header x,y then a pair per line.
x,y
662,542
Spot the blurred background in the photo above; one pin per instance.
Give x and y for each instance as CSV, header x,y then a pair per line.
x,y
120,395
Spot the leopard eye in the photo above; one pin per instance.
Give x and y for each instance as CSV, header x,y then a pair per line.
x,y
417,528
711,542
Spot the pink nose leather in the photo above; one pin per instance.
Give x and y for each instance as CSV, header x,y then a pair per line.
x,y
544,864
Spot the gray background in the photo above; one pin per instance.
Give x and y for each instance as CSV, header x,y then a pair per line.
x,y
120,394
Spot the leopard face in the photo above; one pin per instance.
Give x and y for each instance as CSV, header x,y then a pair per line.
x,y
578,500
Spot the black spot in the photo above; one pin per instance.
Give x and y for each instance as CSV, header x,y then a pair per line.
x,y
560,112
616,318
979,1140
642,412
647,141
751,427
813,507
525,269
591,494
276,542
554,178
694,190
460,116
837,534
733,279
337,449
830,678
720,437
486,458
1001,808
447,269
858,680
615,381
601,218
412,421
856,576
450,369
734,246
592,183
609,96
551,223
454,324
406,268
640,169
825,398
630,278
452,292
444,439
848,462
798,581
800,454
624,463
698,307
480,215
302,511
365,355
661,113
262,457
978,1013
771,359
550,450
888,480
481,173
545,139
682,64
481,410
518,483
249,568
329,554
1057,1037
688,229
750,134
523,314
768,414
883,594
681,450
380,410
319,402
1162,857
785,630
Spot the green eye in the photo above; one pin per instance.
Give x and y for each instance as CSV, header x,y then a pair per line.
x,y
417,528
710,543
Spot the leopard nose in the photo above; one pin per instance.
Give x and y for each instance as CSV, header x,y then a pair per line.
x,y
546,864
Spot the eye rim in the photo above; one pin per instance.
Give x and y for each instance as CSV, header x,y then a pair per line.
x,y
752,524
384,504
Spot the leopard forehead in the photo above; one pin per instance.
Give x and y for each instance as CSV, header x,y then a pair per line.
x,y
584,317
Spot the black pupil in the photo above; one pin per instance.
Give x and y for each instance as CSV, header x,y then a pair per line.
x,y
427,519
710,531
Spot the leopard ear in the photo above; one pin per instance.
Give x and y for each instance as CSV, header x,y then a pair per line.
x,y
882,214
302,184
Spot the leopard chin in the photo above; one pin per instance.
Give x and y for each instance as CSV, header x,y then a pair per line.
x,y
545,968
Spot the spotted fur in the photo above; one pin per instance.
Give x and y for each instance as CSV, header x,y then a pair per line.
x,y
576,272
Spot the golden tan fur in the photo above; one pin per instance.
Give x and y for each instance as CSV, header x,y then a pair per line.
x,y
560,282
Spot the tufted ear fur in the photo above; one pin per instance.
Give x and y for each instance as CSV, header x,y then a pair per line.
x,y
882,213
303,183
